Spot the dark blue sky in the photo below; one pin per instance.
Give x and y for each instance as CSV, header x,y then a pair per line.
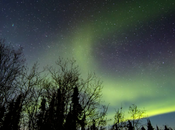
x,y
129,44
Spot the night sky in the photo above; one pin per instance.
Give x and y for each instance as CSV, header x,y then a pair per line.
x,y
129,44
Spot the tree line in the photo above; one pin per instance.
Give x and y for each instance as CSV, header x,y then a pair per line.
x,y
56,98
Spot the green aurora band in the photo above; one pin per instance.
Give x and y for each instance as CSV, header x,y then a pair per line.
x,y
142,90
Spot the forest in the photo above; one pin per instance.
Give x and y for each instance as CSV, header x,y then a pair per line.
x,y
55,98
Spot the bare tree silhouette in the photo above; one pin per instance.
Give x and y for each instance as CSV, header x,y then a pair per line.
x,y
11,67
136,115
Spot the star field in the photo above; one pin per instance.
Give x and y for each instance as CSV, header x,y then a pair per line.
x,y
129,44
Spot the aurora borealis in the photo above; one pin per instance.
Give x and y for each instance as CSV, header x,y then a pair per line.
x,y
129,44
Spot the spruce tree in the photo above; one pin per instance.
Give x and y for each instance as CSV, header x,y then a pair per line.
x,y
75,111
17,113
12,118
70,123
73,118
130,127
166,128
2,113
149,125
143,128
41,116
59,112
